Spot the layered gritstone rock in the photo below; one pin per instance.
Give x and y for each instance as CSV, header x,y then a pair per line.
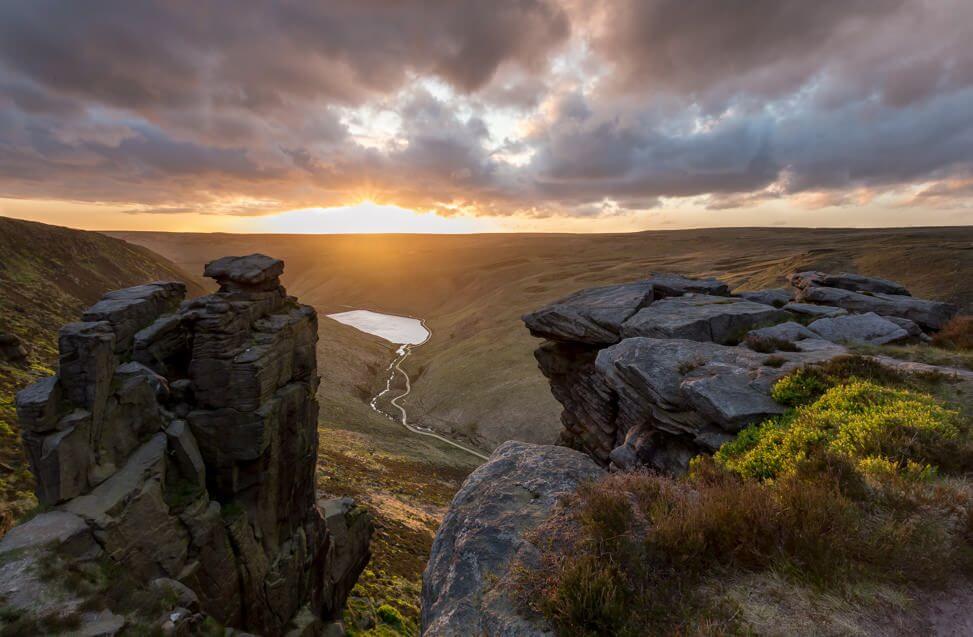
x,y
654,372
178,443
468,586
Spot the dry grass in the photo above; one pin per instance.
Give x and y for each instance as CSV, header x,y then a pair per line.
x,y
956,335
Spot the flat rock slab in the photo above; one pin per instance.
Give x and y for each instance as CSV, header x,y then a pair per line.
x,y
677,285
809,310
729,398
466,587
54,527
846,281
931,315
594,315
790,332
862,329
778,297
701,317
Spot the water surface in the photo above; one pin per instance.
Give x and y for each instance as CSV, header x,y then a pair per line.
x,y
401,330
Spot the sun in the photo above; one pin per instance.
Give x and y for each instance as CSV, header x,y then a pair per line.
x,y
366,217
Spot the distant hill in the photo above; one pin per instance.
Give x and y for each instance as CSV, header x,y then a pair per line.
x,y
477,376
48,276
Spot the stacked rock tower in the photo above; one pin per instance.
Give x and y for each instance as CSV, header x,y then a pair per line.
x,y
178,441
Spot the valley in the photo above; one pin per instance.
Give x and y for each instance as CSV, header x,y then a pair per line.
x,y
476,379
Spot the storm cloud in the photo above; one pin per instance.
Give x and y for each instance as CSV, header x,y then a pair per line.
x,y
539,107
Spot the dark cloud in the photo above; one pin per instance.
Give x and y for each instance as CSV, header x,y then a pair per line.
x,y
261,55
714,51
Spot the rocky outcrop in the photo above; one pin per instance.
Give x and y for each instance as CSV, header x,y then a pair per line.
x,y
178,444
466,588
652,375
863,294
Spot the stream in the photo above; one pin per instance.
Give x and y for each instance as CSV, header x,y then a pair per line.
x,y
406,332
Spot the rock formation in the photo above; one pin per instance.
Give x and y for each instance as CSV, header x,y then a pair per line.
x,y
654,372
466,586
176,451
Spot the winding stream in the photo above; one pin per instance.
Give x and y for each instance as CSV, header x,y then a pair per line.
x,y
406,332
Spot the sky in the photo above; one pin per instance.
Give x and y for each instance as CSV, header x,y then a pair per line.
x,y
472,116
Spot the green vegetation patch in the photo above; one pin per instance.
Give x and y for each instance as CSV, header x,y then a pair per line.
x,y
858,420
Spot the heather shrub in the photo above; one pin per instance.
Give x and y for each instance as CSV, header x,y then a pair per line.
x,y
957,334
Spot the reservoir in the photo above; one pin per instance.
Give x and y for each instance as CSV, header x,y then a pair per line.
x,y
401,330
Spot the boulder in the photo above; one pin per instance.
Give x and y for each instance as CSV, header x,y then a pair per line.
x,y
810,311
931,315
777,297
690,393
862,329
771,339
730,398
911,327
701,317
61,461
254,272
594,315
466,587
64,530
677,285
846,281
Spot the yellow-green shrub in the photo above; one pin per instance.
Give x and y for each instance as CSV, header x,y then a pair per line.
x,y
858,420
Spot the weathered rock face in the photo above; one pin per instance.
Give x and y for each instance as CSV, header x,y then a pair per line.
x,y
178,442
466,586
863,294
657,376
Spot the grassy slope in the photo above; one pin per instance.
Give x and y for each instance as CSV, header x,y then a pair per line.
x,y
477,375
48,275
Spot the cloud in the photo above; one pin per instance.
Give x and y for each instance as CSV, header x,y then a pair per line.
x,y
715,52
534,107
